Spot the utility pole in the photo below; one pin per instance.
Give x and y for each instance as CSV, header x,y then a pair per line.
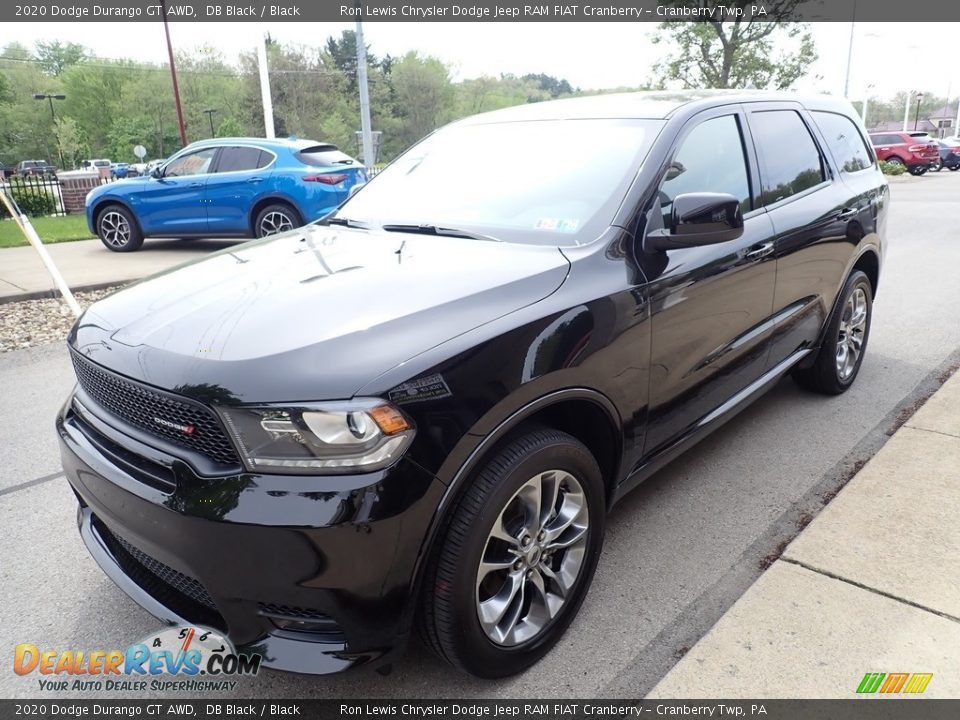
x,y
367,134
173,75
265,98
53,116
853,25
906,110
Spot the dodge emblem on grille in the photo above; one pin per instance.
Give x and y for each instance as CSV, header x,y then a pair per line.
x,y
185,429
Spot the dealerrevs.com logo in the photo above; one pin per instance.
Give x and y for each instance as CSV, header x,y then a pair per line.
x,y
187,658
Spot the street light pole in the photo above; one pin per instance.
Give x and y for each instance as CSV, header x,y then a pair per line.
x,y
916,117
367,134
53,116
210,112
906,109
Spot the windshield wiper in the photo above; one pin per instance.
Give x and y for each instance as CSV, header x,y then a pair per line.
x,y
346,222
426,229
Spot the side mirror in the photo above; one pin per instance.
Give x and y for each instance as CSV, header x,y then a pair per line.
x,y
699,219
156,173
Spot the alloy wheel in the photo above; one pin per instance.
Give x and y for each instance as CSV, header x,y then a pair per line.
x,y
115,229
275,222
533,555
853,326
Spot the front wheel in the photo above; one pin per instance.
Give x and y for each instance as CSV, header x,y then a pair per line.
x,y
517,557
841,355
937,166
118,229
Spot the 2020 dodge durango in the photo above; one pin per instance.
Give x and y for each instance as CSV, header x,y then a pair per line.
x,y
416,413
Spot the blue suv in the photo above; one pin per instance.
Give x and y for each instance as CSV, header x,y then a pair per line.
x,y
225,187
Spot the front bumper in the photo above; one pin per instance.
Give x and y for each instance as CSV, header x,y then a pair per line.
x,y
314,573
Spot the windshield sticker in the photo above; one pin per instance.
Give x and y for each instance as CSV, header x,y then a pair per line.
x,y
567,225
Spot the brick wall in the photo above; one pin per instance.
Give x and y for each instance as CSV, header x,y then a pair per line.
x,y
74,186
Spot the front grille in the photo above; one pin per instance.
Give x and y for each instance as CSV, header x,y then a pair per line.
x,y
156,412
181,593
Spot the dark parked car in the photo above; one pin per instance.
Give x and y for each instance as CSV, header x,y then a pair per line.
x,y
227,187
916,151
32,168
417,413
7,171
949,155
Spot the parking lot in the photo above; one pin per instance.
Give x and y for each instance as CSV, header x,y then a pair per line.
x,y
678,552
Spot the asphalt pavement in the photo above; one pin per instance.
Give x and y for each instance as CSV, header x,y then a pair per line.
x,y
679,551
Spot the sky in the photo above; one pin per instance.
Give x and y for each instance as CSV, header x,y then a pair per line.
x,y
889,56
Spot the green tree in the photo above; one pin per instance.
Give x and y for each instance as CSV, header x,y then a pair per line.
x,y
230,127
70,141
55,57
771,52
424,95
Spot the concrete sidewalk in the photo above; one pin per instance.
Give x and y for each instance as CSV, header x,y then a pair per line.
x,y
87,264
872,585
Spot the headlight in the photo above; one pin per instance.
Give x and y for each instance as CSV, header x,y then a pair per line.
x,y
320,438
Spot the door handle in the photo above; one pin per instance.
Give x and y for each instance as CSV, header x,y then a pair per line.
x,y
759,250
195,185
255,180
846,213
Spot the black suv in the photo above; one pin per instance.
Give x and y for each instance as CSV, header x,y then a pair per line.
x,y
418,412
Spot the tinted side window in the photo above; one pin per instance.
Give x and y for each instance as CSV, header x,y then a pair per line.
x,y
791,159
237,159
845,141
710,159
195,163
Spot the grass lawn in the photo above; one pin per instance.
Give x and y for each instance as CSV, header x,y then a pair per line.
x,y
50,230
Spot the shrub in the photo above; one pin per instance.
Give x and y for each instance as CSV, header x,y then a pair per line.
x,y
31,203
888,168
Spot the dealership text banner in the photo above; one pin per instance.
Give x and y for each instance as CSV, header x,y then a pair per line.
x,y
475,11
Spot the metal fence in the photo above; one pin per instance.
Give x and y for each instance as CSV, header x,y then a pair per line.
x,y
45,194
41,194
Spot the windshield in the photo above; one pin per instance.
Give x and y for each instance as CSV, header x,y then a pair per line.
x,y
548,181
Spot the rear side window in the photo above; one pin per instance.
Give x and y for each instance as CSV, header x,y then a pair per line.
x,y
887,140
791,159
845,141
323,156
237,159
710,159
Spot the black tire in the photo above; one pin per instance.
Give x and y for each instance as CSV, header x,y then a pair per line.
x,y
953,168
825,375
918,170
937,166
895,160
118,229
449,620
279,216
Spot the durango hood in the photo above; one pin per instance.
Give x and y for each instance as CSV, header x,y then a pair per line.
x,y
313,314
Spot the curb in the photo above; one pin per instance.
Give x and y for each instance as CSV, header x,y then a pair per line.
x,y
53,293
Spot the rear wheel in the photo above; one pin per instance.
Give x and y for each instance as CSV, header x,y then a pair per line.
x,y
937,166
118,229
918,169
515,561
276,218
841,355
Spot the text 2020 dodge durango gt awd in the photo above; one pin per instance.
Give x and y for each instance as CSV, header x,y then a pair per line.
x,y
415,414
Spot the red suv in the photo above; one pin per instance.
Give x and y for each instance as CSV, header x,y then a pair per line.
x,y
917,150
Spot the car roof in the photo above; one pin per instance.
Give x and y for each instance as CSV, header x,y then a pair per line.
x,y
659,105
269,143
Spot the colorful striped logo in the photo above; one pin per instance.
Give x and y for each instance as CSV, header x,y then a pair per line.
x,y
893,683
